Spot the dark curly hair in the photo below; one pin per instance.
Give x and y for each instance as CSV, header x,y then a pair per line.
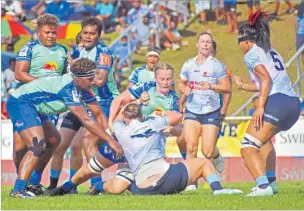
x,y
82,66
92,21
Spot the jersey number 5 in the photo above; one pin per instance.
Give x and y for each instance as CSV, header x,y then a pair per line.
x,y
278,63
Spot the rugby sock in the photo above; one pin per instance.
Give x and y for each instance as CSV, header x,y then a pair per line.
x,y
35,178
184,155
214,182
69,185
262,182
54,177
99,186
72,173
94,180
19,185
271,176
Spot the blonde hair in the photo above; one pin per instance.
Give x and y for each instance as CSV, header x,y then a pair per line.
x,y
132,111
164,66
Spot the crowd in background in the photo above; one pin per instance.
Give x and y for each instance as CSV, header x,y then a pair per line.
x,y
116,16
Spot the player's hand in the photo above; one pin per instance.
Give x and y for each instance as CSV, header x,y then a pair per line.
x,y
168,130
144,98
117,148
205,86
238,81
180,107
69,58
258,117
187,91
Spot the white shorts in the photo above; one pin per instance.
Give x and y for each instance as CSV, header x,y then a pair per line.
x,y
206,5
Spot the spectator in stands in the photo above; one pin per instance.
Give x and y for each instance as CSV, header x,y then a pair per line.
x,y
10,75
255,103
290,9
4,15
75,51
300,29
201,8
251,3
144,32
36,10
59,8
136,11
230,10
171,38
106,15
14,8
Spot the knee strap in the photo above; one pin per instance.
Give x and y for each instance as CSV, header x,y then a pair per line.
x,y
38,147
95,166
125,174
250,141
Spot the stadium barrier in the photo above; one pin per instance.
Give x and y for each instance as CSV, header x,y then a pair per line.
x,y
289,147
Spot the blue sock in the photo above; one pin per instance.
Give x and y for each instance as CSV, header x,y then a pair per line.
x,y
214,182
262,182
271,176
19,185
69,185
55,173
35,178
72,173
94,180
99,187
184,155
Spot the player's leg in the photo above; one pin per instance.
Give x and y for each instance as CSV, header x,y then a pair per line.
x,y
94,167
19,150
67,135
90,147
281,112
118,184
52,140
200,167
76,159
210,130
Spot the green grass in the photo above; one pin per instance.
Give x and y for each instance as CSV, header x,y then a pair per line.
x,y
283,40
291,195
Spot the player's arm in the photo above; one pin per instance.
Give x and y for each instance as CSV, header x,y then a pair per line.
x,y
101,118
226,101
21,71
103,68
251,87
124,98
265,83
183,87
223,87
95,127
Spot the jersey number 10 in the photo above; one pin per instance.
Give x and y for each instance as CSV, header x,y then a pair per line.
x,y
278,63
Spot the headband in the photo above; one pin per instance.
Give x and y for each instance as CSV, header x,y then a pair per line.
x,y
87,74
252,37
153,53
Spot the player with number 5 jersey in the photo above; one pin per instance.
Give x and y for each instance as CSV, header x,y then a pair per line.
x,y
278,108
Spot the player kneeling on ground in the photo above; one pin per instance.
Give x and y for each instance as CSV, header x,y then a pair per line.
x,y
143,142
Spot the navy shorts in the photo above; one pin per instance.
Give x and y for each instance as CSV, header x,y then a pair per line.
x,y
72,122
282,111
300,41
174,181
212,118
250,3
107,152
230,7
23,115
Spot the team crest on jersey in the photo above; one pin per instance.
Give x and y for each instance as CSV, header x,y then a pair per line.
x,y
24,51
75,96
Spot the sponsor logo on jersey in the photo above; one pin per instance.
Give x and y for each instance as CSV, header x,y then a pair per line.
x,y
19,124
50,66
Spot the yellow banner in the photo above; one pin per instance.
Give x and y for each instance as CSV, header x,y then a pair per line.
x,y
229,141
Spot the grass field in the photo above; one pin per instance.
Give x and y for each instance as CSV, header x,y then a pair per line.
x,y
290,197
